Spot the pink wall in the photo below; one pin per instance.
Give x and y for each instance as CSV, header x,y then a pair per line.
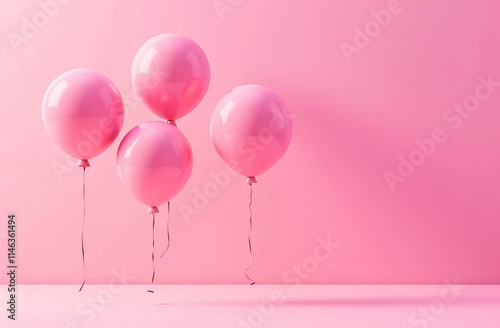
x,y
357,110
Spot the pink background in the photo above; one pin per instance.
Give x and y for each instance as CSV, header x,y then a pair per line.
x,y
354,117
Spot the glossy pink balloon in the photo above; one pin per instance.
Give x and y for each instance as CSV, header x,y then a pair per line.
x,y
251,129
83,113
154,162
171,74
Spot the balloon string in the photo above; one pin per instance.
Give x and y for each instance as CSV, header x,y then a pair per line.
x,y
153,256
249,239
82,234
168,230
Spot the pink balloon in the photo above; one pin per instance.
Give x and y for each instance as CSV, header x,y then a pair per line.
x,y
154,162
251,129
83,113
171,74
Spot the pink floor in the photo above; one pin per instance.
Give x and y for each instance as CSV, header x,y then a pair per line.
x,y
241,306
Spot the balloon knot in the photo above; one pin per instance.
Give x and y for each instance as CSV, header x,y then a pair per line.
x,y
153,209
251,180
83,163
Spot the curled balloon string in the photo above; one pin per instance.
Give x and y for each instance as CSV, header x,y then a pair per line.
x,y
82,233
168,230
153,256
252,282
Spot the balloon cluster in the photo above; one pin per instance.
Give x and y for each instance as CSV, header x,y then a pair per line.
x,y
83,112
